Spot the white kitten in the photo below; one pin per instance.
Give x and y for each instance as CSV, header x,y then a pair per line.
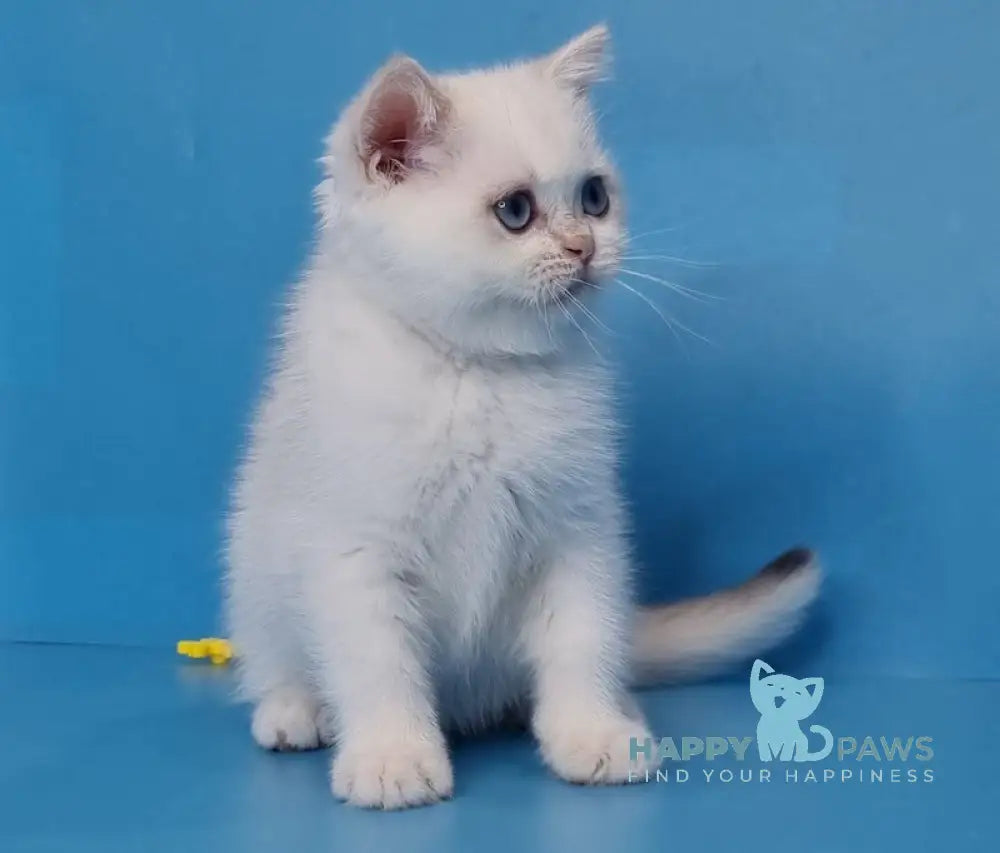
x,y
427,531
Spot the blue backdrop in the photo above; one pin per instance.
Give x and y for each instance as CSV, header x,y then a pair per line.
x,y
836,161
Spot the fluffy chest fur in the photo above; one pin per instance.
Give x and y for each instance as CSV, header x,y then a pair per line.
x,y
465,472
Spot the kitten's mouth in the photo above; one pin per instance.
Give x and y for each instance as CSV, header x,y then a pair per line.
x,y
779,701
573,289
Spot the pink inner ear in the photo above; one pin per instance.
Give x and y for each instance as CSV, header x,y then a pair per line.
x,y
391,134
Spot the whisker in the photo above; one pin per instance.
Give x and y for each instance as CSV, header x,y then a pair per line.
x,y
660,314
587,312
586,337
652,233
670,322
691,293
687,262
545,319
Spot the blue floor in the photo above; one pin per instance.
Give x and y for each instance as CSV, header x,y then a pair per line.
x,y
111,749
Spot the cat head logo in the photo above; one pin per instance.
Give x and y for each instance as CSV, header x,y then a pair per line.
x,y
783,702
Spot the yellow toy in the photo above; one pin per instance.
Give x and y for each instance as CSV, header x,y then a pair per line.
x,y
217,650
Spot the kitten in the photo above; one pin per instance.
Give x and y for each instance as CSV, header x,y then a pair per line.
x,y
427,531
783,702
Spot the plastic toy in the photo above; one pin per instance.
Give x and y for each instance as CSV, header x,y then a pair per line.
x,y
217,650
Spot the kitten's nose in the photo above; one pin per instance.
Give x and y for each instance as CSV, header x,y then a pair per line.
x,y
579,244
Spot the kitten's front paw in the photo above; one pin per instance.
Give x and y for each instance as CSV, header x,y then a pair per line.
x,y
383,775
596,751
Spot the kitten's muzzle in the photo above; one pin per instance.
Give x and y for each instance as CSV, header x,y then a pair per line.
x,y
779,701
578,245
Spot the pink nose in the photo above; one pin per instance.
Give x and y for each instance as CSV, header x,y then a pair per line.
x,y
578,244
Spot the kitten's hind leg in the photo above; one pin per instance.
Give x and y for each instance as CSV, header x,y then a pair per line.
x,y
287,712
272,670
287,719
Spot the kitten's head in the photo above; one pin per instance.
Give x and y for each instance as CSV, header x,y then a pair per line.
x,y
479,207
774,694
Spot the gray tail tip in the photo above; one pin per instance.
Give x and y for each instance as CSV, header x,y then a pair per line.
x,y
793,561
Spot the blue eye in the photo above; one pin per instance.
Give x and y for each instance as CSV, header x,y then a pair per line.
x,y
594,196
515,211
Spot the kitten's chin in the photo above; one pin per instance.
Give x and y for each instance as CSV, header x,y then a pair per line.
x,y
574,292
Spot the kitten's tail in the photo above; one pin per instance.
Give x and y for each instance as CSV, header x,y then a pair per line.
x,y
701,636
827,743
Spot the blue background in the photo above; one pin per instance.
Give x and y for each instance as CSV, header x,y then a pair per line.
x,y
836,161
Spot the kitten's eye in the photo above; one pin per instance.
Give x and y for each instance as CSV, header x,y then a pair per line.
x,y
594,196
515,211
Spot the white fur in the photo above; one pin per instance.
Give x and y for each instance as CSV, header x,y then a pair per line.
x,y
427,531
287,718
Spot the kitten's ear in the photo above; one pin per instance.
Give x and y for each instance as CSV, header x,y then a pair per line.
x,y
582,61
816,693
760,666
402,113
